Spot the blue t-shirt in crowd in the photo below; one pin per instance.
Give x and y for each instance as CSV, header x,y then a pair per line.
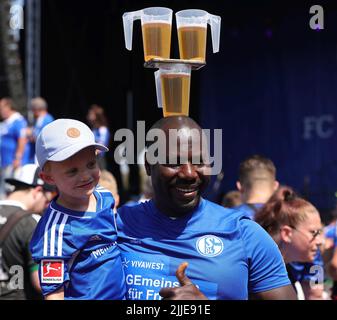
x,y
229,255
11,130
330,232
102,135
79,250
308,271
40,123
249,209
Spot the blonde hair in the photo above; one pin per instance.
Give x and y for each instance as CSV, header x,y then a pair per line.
x,y
108,181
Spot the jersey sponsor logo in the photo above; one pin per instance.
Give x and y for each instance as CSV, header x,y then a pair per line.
x,y
209,246
143,264
52,271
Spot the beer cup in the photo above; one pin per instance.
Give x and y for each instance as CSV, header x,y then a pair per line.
x,y
173,89
156,29
192,33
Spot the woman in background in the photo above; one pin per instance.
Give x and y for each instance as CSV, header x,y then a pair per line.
x,y
99,124
295,225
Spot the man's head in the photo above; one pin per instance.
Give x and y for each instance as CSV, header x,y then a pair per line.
x,y
180,180
66,152
29,189
257,179
38,106
7,108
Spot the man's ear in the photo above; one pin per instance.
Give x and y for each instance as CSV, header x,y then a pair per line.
x,y
276,185
239,186
47,178
147,166
36,190
286,233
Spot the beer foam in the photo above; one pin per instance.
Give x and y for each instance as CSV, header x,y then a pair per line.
x,y
156,21
182,24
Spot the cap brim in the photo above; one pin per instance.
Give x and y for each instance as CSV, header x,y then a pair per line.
x,y
17,183
73,149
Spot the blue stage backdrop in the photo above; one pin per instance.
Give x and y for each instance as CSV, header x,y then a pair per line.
x,y
272,89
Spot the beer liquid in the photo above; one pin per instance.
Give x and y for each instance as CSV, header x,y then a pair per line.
x,y
156,40
176,94
192,42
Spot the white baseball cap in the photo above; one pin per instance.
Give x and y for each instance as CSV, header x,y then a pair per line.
x,y
62,138
28,176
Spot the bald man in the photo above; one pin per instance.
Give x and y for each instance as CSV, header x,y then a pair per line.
x,y
228,256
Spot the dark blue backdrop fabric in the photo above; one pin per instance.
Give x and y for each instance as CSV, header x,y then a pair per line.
x,y
273,91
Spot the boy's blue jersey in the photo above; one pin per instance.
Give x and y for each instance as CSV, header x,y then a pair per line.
x,y
229,255
79,250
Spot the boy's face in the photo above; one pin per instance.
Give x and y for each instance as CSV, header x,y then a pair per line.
x,y
76,177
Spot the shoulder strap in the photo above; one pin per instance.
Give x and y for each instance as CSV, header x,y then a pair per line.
x,y
12,220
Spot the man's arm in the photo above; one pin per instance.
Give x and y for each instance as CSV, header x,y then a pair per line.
x,y
56,295
19,152
34,278
281,293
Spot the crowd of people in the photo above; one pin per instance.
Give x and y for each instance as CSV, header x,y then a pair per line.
x,y
263,241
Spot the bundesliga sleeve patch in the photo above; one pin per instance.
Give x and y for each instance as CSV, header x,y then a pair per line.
x,y
52,271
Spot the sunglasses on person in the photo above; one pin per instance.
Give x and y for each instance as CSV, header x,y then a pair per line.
x,y
314,233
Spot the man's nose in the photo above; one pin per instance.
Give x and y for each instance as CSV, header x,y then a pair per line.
x,y
188,171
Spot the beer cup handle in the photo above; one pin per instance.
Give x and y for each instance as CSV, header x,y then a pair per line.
x,y
158,89
215,23
128,18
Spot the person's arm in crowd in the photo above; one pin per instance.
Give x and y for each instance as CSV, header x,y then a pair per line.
x,y
56,295
332,266
34,278
19,152
312,292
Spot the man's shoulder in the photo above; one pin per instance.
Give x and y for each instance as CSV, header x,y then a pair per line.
x,y
226,214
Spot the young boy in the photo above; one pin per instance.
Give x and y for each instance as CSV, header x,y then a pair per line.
x,y
75,240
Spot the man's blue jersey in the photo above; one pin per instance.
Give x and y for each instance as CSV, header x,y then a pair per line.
x,y
11,130
40,123
229,255
79,250
249,209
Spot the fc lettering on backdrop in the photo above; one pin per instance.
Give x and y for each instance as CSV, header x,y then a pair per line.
x,y
321,126
317,20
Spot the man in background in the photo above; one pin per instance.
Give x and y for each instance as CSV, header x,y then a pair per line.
x,y
12,141
19,214
257,183
39,108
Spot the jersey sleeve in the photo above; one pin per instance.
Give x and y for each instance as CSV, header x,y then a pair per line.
x,y
267,270
52,250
